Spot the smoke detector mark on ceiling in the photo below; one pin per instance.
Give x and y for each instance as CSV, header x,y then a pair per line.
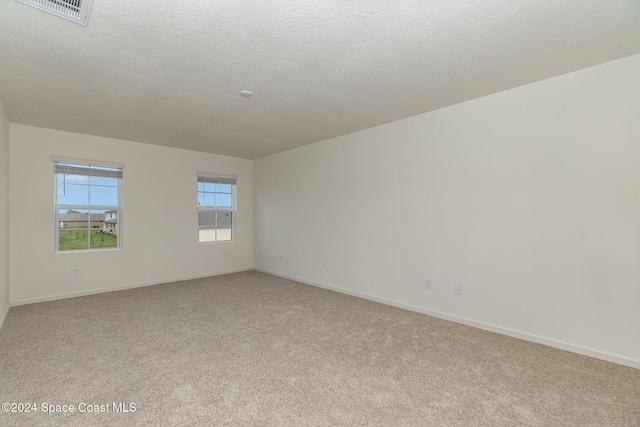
x,y
73,10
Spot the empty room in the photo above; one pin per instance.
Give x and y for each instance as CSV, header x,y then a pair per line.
x,y
329,213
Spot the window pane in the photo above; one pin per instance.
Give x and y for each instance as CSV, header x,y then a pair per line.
x,y
215,225
73,179
207,235
98,180
104,196
73,218
104,229
206,218
224,219
73,228
223,234
78,226
205,199
83,229
103,239
223,188
72,194
69,240
223,200
206,186
215,210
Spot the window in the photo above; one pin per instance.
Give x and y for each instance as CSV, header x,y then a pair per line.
x,y
216,207
88,212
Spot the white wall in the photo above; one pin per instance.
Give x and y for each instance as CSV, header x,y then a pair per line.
x,y
529,198
159,221
4,214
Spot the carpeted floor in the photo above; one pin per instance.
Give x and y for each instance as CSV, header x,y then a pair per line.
x,y
250,349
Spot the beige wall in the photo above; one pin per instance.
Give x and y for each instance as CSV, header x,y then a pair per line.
x,y
4,214
529,198
159,218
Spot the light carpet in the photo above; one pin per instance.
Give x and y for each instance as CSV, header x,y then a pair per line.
x,y
251,349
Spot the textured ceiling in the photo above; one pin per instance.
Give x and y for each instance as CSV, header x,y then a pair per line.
x,y
169,73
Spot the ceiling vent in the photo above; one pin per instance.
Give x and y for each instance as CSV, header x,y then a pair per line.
x,y
73,10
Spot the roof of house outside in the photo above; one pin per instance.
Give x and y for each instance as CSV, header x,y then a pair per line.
x,y
80,217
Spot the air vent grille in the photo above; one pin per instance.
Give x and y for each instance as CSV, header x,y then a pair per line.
x,y
74,10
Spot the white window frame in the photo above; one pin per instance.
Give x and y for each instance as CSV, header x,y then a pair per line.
x,y
222,179
90,166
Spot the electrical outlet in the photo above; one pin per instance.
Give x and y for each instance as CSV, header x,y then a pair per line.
x,y
458,289
226,256
281,257
74,271
429,284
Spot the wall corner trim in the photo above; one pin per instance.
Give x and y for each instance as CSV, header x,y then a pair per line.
x,y
4,317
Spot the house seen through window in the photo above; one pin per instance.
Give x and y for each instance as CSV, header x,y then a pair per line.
x,y
216,208
88,211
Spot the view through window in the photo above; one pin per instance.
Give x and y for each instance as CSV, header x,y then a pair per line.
x,y
88,210
216,208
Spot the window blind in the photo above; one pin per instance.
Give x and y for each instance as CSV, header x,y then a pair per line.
x,y
68,168
217,179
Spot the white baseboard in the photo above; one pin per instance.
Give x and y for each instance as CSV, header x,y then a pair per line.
x,y
4,317
469,322
119,288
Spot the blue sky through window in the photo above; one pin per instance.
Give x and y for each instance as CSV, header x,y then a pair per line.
x,y
215,195
88,191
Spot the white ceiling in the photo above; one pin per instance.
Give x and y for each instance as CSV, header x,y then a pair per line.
x,y
169,73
